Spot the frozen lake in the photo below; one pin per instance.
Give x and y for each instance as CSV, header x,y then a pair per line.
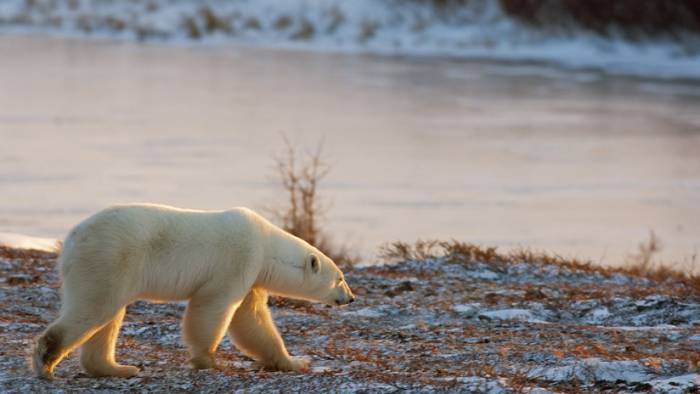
x,y
493,153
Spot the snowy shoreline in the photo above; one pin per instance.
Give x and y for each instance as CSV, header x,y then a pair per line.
x,y
477,31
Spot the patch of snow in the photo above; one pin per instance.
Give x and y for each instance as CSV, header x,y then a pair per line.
x,y
512,314
479,384
484,274
677,384
243,364
468,310
592,370
651,301
660,327
537,390
320,369
365,312
20,241
353,387
165,334
598,314
620,279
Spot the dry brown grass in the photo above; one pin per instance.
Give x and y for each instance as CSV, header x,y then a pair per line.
x,y
519,380
640,265
299,177
26,254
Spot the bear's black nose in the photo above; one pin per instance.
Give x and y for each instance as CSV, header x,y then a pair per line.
x,y
352,299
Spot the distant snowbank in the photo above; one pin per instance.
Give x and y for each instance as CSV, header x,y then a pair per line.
x,y
19,241
478,29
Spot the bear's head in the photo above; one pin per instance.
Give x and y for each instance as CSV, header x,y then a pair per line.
x,y
301,271
326,283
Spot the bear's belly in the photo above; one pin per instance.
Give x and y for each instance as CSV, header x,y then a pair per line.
x,y
170,283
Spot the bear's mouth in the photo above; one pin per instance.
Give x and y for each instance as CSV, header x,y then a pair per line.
x,y
349,301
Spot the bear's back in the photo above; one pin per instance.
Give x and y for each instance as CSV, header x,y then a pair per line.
x,y
161,245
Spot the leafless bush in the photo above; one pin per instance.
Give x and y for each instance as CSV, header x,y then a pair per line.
x,y
645,253
299,176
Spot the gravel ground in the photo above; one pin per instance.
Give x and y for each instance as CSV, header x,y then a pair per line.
x,y
420,326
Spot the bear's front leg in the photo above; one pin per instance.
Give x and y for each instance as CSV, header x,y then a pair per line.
x,y
254,333
204,325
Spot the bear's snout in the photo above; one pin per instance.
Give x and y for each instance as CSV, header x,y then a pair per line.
x,y
349,300
341,294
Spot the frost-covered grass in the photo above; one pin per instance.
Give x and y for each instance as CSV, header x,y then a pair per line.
x,y
466,253
424,325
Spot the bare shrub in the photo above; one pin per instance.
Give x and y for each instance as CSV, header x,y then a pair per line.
x,y
299,176
642,260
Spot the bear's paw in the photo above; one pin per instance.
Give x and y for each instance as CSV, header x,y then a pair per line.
x,y
295,364
204,361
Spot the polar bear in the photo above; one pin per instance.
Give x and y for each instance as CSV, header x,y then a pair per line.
x,y
223,262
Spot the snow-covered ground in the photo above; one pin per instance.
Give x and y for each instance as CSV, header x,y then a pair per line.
x,y
477,29
420,326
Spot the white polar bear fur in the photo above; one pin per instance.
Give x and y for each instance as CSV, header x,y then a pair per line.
x,y
223,262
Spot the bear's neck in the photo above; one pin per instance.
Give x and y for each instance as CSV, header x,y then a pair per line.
x,y
282,271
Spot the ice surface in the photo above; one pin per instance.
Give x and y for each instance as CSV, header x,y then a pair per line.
x,y
205,150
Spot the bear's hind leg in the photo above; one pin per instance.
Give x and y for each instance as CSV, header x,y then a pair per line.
x,y
68,332
97,353
48,352
253,331
204,325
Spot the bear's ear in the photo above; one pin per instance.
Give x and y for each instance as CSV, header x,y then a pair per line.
x,y
314,264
